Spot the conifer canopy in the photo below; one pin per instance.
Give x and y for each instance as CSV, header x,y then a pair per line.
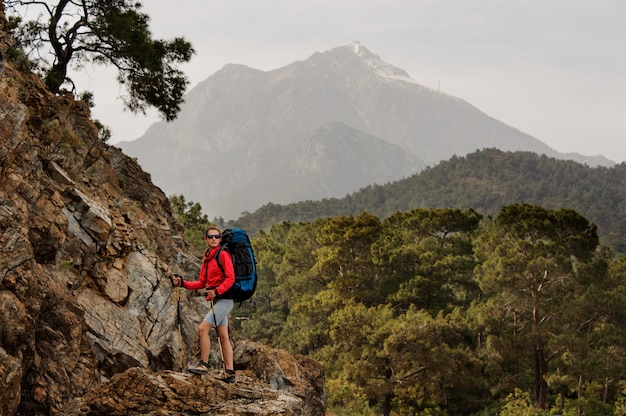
x,y
111,32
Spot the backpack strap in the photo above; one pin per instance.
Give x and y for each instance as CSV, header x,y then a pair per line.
x,y
219,263
217,258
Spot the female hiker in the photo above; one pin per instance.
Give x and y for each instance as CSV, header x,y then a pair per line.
x,y
217,282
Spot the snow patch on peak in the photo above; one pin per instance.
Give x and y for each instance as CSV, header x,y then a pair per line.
x,y
358,50
355,46
381,68
389,72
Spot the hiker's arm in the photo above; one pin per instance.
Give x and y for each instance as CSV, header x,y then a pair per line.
x,y
195,285
201,282
179,281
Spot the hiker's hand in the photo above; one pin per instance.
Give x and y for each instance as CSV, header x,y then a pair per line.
x,y
177,280
210,294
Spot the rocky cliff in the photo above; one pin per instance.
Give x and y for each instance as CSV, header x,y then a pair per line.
x,y
87,311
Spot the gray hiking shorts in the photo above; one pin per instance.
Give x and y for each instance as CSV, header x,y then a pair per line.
x,y
222,309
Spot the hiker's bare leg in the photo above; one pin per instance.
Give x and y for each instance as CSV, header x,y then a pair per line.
x,y
227,348
205,341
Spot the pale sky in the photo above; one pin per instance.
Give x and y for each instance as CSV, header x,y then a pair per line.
x,y
554,69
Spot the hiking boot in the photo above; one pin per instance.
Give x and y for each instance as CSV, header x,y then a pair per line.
x,y
199,369
230,376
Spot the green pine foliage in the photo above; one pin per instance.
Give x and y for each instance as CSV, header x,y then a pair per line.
x,y
112,32
190,215
443,311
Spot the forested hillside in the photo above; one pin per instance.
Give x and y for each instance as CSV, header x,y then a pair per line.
x,y
486,181
446,312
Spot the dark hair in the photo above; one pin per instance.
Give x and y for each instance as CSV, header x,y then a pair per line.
x,y
213,227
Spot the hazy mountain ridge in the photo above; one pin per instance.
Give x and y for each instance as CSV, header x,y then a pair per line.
x,y
486,181
336,157
262,121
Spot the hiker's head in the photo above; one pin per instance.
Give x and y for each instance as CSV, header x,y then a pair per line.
x,y
213,236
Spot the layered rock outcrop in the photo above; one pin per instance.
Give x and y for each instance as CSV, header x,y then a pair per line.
x,y
269,382
87,310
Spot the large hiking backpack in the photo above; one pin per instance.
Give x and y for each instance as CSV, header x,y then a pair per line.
x,y
236,242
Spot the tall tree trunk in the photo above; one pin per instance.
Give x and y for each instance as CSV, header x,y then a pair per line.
x,y
580,393
57,73
55,76
389,393
387,404
540,384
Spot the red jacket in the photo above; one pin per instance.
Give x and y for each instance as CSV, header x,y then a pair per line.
x,y
211,275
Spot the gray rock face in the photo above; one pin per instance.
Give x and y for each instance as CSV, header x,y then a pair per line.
x,y
87,310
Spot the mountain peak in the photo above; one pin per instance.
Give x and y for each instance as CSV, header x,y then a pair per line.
x,y
357,48
381,68
263,121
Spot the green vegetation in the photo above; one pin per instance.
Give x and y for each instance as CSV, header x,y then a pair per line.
x,y
486,181
190,215
66,264
491,308
447,312
113,32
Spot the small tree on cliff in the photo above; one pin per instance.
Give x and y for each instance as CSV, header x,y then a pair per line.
x,y
106,32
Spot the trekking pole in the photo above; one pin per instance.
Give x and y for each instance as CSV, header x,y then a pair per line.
x,y
219,341
179,316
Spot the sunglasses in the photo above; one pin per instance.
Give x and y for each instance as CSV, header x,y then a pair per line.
x,y
216,236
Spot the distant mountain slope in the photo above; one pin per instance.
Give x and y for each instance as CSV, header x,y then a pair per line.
x,y
263,122
484,180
